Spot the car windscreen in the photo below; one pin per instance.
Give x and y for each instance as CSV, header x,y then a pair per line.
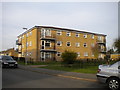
x,y
7,58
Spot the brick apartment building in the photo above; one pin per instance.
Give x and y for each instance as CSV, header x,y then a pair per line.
x,y
42,43
10,52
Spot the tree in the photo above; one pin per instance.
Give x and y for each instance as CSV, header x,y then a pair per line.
x,y
117,45
110,51
69,57
96,50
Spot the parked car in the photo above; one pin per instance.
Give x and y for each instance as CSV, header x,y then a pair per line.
x,y
110,74
8,61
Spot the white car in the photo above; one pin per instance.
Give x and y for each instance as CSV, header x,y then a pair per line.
x,y
110,74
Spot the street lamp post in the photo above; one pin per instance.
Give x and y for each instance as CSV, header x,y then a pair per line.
x,y
26,47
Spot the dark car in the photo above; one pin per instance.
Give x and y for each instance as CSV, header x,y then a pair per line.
x,y
8,61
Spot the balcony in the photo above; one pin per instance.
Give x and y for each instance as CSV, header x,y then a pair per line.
x,y
19,52
48,50
52,38
18,42
101,41
102,50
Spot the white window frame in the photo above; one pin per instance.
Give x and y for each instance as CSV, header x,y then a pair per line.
x,y
78,53
85,44
59,54
77,34
22,46
85,35
67,44
59,42
68,33
92,36
77,44
23,37
100,56
100,38
47,32
27,53
92,55
30,44
86,54
30,33
47,53
27,44
47,42
30,53
22,53
59,32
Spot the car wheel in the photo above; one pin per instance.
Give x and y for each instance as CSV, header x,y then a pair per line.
x,y
113,84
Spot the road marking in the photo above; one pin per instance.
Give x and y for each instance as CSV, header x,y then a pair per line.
x,y
92,80
60,75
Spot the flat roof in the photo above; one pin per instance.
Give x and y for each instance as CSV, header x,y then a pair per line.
x,y
66,29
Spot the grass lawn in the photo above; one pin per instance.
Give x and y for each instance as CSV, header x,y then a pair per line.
x,y
85,68
88,69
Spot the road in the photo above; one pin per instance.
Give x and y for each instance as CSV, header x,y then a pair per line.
x,y
19,78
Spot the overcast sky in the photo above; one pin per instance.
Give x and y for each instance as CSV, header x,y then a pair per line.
x,y
89,16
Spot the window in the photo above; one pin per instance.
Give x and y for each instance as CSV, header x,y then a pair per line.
x,y
92,36
68,44
22,54
100,56
48,33
78,53
27,44
85,44
27,53
58,54
68,34
30,43
77,35
59,32
30,53
92,54
22,46
59,43
77,44
92,45
85,35
22,36
85,53
47,55
43,33
47,43
31,33
99,38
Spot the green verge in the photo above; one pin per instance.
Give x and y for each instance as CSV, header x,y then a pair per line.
x,y
89,69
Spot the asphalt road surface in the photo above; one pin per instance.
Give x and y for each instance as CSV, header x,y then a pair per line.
x,y
18,78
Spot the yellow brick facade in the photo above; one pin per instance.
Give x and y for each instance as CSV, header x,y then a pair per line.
x,y
43,43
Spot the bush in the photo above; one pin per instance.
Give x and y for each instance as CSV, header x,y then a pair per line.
x,y
68,57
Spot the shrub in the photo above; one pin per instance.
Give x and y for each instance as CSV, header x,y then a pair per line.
x,y
68,57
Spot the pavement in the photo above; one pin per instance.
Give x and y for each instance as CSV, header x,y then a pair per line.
x,y
73,75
